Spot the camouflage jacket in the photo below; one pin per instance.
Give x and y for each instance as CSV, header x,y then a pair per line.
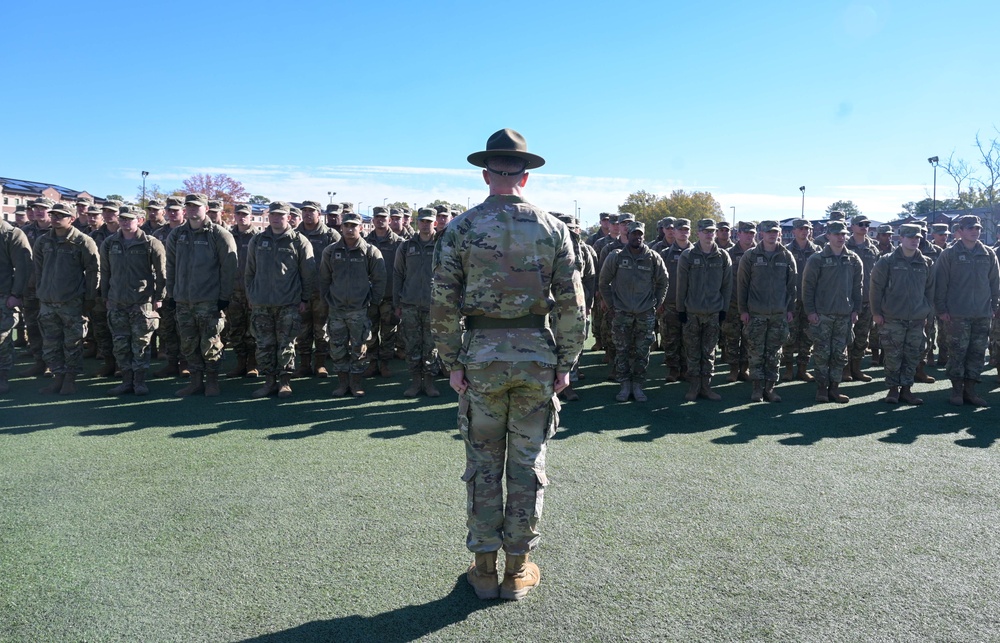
x,y
201,264
320,238
736,252
902,287
506,259
15,261
280,269
831,284
633,283
387,245
765,285
411,273
352,278
242,241
801,256
671,258
704,280
133,272
868,252
967,283
66,268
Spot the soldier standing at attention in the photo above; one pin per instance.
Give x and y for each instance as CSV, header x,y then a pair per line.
x,y
133,283
313,330
384,322
966,297
279,281
98,315
901,292
798,331
15,269
503,266
883,242
861,244
40,224
155,216
333,216
765,294
170,341
704,288
411,298
831,297
633,282
671,328
201,273
735,350
722,235
835,215
67,274
238,335
214,212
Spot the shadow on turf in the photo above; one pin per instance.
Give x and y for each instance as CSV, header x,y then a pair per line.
x,y
404,624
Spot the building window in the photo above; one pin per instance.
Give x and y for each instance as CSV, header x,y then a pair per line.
x,y
5,200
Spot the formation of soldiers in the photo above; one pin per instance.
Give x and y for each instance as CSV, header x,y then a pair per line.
x,y
304,296
773,309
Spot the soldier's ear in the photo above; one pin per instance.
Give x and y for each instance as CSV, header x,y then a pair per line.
x,y
524,179
486,177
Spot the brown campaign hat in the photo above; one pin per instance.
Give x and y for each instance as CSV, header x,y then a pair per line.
x,y
506,142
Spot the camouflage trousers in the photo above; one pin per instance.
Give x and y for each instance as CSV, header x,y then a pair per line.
x,y
831,338
902,342
170,341
967,340
9,318
765,335
349,333
671,338
200,328
384,325
862,329
131,335
574,372
421,354
100,328
701,336
607,333
734,339
506,417
312,331
238,335
798,342
995,340
275,329
63,329
931,325
634,335
597,318
31,311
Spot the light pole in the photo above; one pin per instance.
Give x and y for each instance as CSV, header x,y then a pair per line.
x,y
934,162
331,195
802,189
575,207
359,207
384,200
144,175
734,214
468,202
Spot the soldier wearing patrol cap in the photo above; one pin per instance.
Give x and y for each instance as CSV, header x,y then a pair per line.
x,y
735,351
704,288
201,273
722,238
937,336
666,227
831,296
333,216
40,224
81,204
237,331
883,239
169,340
633,282
384,322
835,215
861,244
597,322
98,315
413,267
133,283
352,275
967,296
504,266
604,230
671,328
396,223
408,230
214,211
155,216
901,296
20,216
67,277
765,294
312,336
15,269
799,343
294,216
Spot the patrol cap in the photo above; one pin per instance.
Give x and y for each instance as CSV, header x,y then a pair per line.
x,y
836,215
426,214
352,218
968,221
175,203
682,224
395,213
346,206
61,210
243,208
113,205
565,218
706,224
910,230
42,202
292,210
723,225
624,217
859,219
379,211
333,208
84,199
605,216
798,224
93,209
130,212
613,218
215,205
313,205
155,204
885,228
836,227
745,226
669,222
196,199
442,208
768,226
279,207
20,208
637,225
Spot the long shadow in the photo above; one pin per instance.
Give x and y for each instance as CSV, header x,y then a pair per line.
x,y
404,624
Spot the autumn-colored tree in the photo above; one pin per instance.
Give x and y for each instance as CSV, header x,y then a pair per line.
x,y
650,208
218,186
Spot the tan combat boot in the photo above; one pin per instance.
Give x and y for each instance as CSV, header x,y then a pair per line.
x,y
139,383
957,393
706,389
822,391
357,388
194,388
305,365
252,366
55,386
285,385
240,370
625,391
126,386
319,365
892,397
921,374
637,393
836,395
212,384
757,394
416,383
69,385
969,394
857,373
734,374
846,375
907,396
35,370
803,373
482,575
789,373
170,369
343,383
108,368
694,383
769,393
383,368
429,387
519,577
268,388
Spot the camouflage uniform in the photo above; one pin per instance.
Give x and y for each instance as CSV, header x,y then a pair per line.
x,y
934,338
831,289
238,335
98,313
671,329
31,307
704,288
734,339
350,280
411,293
503,266
765,290
15,270
799,342
867,251
382,315
606,331
313,327
169,340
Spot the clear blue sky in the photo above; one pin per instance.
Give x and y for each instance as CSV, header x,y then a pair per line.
x,y
385,100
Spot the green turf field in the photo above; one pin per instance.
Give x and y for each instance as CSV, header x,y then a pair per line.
x,y
231,519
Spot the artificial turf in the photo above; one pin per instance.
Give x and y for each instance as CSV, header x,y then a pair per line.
x,y
313,518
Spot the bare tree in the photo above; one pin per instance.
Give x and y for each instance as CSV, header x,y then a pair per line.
x,y
989,182
959,171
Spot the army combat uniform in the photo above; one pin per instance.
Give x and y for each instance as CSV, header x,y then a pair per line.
x,y
237,330
411,295
15,269
734,341
312,336
799,344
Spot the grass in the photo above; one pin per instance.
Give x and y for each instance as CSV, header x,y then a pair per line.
x,y
232,519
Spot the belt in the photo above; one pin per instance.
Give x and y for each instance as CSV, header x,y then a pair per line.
x,y
528,321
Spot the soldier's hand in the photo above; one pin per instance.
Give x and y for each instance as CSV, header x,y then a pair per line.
x,y
562,381
303,307
13,302
813,319
157,305
789,317
457,380
878,319
854,318
745,318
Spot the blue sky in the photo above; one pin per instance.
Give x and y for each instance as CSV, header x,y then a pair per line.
x,y
385,100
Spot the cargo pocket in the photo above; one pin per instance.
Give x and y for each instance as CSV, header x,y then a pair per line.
x,y
554,407
152,318
541,481
469,478
463,416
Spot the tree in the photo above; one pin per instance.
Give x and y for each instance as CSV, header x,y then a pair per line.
x,y
454,206
115,197
926,206
218,186
153,191
847,207
959,171
650,208
399,205
259,199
